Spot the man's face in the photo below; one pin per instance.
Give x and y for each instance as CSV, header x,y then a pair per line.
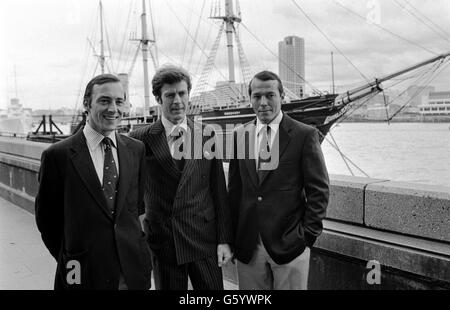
x,y
174,101
106,108
266,99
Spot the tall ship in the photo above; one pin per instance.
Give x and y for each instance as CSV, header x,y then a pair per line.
x,y
227,104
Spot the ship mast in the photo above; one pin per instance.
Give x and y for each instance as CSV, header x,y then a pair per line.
x,y
229,20
144,43
102,48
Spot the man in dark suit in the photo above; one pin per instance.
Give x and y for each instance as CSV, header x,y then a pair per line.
x,y
187,217
278,191
90,198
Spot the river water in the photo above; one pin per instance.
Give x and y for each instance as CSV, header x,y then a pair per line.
x,y
410,152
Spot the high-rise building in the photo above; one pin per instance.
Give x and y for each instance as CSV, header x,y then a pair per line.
x,y
291,64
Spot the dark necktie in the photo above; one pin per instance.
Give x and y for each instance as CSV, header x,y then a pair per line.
x,y
178,148
264,150
110,177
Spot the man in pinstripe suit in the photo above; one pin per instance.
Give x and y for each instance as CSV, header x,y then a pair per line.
x,y
188,221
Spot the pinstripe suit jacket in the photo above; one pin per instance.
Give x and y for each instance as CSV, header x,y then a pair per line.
x,y
187,213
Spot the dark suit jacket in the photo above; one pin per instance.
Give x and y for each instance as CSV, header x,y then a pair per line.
x,y
187,213
286,206
75,223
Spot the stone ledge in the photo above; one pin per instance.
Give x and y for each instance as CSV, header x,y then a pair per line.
x,y
20,162
28,149
413,209
347,198
417,256
20,199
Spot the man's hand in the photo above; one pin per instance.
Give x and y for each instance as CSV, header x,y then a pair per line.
x,y
224,254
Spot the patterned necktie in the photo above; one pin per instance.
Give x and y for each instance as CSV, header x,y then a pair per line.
x,y
175,146
264,149
110,176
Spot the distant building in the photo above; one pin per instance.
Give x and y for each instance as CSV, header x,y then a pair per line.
x,y
291,64
418,94
438,104
377,112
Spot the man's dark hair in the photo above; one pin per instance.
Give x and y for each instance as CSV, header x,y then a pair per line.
x,y
266,76
169,74
98,80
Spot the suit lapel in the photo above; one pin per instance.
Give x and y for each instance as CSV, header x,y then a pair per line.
x,y
125,162
250,162
158,143
284,133
83,164
281,144
191,163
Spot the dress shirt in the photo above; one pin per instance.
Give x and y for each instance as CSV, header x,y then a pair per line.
x,y
274,126
171,129
97,150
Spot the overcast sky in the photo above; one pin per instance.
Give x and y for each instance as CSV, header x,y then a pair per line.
x,y
46,41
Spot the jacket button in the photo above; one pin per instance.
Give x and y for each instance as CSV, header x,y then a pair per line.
x,y
259,198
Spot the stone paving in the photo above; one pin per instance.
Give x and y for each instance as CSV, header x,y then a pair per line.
x,y
25,263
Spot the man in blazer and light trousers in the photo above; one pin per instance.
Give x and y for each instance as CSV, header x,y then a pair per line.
x,y
278,191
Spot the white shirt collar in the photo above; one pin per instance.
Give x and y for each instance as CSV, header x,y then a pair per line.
x,y
273,124
169,127
94,138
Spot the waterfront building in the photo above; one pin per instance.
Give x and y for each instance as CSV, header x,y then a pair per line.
x,y
291,64
437,104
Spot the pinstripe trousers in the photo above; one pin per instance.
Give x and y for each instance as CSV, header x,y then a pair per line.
x,y
204,274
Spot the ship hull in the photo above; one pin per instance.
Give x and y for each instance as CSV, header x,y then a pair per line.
x,y
311,111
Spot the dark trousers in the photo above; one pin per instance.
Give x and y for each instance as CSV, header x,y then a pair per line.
x,y
205,274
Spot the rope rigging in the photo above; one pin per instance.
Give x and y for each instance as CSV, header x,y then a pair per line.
x,y
428,19
431,78
421,20
344,157
329,40
386,30
187,36
125,36
198,45
195,36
